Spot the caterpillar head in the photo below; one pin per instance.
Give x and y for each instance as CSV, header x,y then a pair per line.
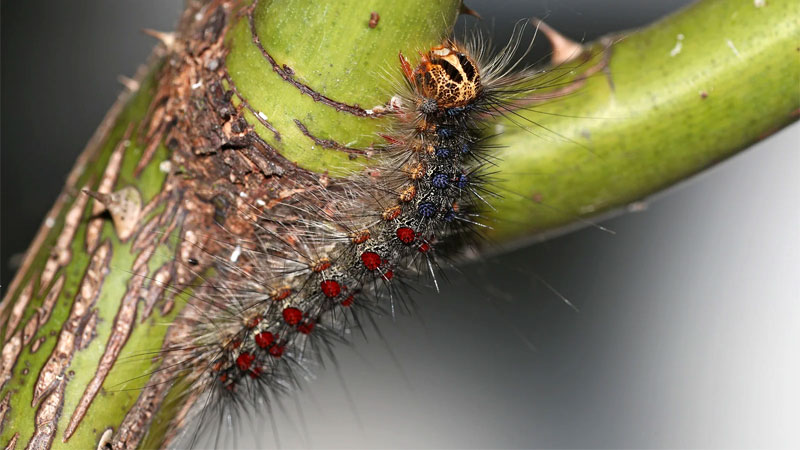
x,y
445,75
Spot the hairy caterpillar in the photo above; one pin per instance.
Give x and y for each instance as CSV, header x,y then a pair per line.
x,y
497,278
314,272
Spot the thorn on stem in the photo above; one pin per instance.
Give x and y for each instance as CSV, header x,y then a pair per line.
x,y
129,83
124,205
166,38
564,48
469,11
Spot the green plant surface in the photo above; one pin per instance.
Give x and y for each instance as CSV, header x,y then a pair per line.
x,y
117,394
331,48
676,97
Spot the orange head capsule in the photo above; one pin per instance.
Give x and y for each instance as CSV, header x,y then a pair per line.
x,y
446,77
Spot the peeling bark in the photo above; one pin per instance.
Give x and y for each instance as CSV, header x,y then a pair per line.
x,y
126,317
52,375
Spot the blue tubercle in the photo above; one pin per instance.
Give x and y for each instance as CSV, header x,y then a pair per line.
x,y
442,152
440,180
426,209
444,132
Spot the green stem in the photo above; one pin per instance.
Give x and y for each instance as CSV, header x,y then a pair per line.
x,y
675,98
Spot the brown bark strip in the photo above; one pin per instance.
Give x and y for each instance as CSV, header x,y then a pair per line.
x,y
30,328
88,331
153,240
12,444
50,301
52,372
149,151
153,204
19,308
144,236
155,290
106,186
61,254
36,344
9,357
143,257
47,418
123,322
4,408
167,307
328,143
143,240
288,75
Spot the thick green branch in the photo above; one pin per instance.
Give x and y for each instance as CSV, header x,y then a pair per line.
x,y
674,98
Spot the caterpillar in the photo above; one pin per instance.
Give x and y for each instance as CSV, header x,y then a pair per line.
x,y
315,265
313,272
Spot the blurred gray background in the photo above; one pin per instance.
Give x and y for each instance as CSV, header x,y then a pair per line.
x,y
687,333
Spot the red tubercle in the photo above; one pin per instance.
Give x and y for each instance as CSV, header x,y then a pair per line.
x,y
406,235
253,322
348,301
424,247
236,343
244,360
281,294
330,288
322,264
265,339
255,372
276,351
223,378
306,327
391,213
388,275
371,260
361,236
292,316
